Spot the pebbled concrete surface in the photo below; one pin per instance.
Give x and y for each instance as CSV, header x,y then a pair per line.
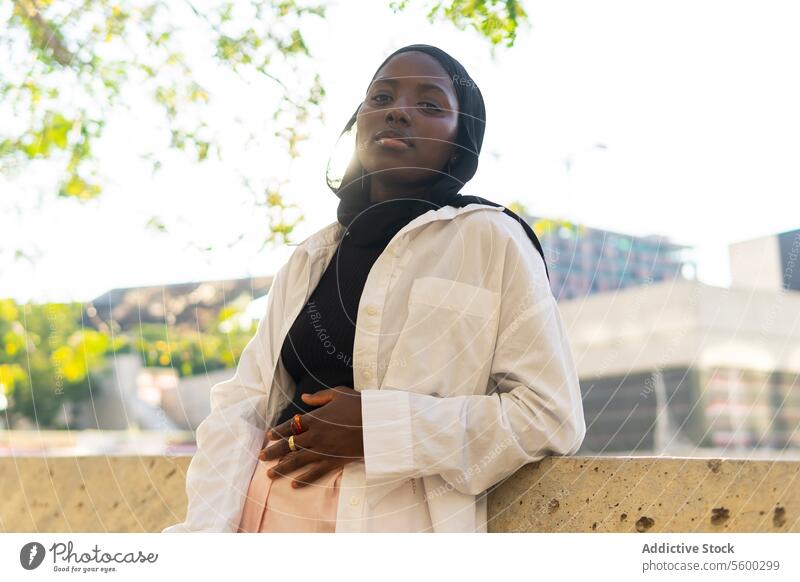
x,y
557,494
644,494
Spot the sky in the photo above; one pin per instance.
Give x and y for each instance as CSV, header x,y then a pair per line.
x,y
696,104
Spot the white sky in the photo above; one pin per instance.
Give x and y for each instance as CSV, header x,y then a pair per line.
x,y
695,101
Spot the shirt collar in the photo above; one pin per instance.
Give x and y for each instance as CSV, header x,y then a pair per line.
x,y
332,233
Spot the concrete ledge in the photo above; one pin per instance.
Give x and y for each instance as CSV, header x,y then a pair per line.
x,y
648,494
558,494
92,494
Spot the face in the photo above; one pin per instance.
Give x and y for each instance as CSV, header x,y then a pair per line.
x,y
411,102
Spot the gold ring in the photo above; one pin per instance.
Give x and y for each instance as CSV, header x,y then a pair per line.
x,y
292,446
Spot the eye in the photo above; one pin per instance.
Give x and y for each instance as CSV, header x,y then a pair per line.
x,y
433,108
376,97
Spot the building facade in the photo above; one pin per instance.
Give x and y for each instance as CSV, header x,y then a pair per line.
x,y
681,365
767,262
584,260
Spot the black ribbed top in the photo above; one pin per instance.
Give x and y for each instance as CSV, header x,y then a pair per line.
x,y
318,350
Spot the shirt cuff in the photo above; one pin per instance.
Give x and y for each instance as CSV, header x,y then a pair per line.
x,y
388,441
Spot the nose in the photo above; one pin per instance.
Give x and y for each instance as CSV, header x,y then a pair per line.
x,y
397,114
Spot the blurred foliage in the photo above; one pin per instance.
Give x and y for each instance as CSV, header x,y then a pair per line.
x,y
548,227
496,20
518,208
544,227
66,67
48,358
188,351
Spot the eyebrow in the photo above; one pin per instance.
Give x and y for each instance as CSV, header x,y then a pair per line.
x,y
393,82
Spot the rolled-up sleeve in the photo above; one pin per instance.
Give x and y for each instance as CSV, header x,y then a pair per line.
x,y
532,408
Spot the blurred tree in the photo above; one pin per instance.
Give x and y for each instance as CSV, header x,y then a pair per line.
x,y
544,227
496,20
48,358
67,67
195,351
517,207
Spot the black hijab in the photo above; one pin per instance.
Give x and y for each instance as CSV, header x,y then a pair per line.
x,y
378,223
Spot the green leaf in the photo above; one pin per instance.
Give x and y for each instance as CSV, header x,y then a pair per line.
x,y
77,187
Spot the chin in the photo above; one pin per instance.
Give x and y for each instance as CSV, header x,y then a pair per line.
x,y
401,173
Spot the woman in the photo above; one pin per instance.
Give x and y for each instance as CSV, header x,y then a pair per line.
x,y
412,354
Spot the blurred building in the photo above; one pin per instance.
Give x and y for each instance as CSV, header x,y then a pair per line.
x,y
582,260
195,304
127,396
677,365
767,262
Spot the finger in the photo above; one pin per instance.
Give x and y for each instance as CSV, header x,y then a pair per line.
x,y
281,447
319,398
284,429
322,468
275,451
322,397
291,462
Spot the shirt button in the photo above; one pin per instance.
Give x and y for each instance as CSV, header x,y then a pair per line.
x,y
372,310
354,500
367,374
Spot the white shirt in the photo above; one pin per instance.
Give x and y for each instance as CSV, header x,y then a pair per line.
x,y
463,365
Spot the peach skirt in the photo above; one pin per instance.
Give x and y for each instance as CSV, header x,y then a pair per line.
x,y
273,505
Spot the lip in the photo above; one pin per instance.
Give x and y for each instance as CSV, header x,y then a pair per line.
x,y
392,138
392,144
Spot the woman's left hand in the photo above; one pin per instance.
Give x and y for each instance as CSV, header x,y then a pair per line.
x,y
332,436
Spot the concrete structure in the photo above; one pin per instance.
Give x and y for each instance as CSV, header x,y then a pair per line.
x,y
557,494
717,366
116,401
80,443
767,262
126,395
189,401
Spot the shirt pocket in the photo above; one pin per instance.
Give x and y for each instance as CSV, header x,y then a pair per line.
x,y
446,345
